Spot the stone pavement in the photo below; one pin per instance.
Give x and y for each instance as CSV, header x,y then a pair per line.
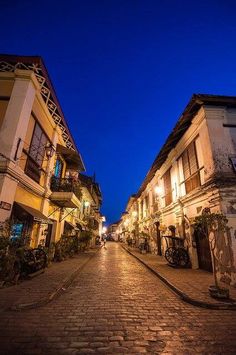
x,y
42,288
191,285
116,306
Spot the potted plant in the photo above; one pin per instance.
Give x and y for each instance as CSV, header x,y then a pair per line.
x,y
129,241
144,246
211,225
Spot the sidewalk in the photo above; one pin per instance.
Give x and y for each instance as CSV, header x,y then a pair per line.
x,y
190,285
43,288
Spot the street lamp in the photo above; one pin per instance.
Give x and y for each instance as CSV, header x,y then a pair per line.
x,y
104,229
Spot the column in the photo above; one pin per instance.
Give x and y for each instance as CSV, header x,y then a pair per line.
x,y
13,130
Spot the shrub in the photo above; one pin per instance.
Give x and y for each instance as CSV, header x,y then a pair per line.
x,y
11,257
65,247
84,239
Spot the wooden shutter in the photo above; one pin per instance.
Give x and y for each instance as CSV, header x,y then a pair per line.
x,y
186,168
167,187
190,168
193,165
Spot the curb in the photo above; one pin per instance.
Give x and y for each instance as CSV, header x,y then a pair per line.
x,y
183,296
64,285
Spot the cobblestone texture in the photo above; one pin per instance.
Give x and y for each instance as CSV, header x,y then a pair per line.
x,y
116,305
43,285
193,283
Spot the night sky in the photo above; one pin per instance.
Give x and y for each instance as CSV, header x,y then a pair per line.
x,y
123,72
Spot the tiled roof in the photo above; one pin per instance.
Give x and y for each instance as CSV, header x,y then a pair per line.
x,y
184,122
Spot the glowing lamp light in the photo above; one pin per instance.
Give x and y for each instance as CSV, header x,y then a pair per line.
x,y
158,190
86,203
134,213
126,223
104,229
49,150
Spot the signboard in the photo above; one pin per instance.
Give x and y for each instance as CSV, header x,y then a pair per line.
x,y
42,221
5,205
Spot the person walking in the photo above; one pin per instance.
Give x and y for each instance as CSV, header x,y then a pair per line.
x,y
104,242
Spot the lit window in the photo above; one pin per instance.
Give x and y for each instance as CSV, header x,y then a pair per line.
x,y
58,168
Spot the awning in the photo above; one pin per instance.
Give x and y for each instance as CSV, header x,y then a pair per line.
x,y
70,225
72,158
78,227
36,214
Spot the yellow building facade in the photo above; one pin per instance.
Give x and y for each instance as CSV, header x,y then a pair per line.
x,y
40,191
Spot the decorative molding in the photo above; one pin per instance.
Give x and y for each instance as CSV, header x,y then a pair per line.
x,y
46,94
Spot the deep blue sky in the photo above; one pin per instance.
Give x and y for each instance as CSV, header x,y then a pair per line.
x,y
123,72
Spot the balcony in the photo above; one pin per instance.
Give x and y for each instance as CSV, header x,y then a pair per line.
x,y
66,192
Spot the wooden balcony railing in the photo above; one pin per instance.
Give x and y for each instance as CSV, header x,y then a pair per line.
x,y
66,185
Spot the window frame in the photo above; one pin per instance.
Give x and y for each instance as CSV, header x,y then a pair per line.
x,y
193,181
59,160
168,196
33,169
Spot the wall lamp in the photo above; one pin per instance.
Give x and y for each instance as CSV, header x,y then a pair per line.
x,y
158,190
49,150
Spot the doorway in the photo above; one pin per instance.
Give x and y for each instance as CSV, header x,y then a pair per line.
x,y
203,251
158,236
49,236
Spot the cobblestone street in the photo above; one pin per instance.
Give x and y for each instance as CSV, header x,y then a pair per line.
x,y
115,305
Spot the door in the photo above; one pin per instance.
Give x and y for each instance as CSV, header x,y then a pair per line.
x,y
203,251
157,224
49,235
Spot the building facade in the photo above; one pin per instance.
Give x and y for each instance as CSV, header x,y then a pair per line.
x,y
90,216
193,172
112,231
40,190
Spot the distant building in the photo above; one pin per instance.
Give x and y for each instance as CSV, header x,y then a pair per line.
x,y
194,170
112,230
90,215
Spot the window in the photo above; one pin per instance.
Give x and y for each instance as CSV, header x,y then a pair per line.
x,y
3,108
190,168
36,153
58,168
146,206
141,209
155,202
167,187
